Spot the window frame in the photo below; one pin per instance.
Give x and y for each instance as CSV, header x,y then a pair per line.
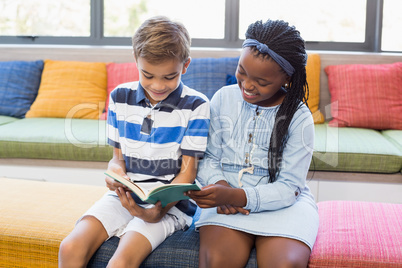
x,y
372,41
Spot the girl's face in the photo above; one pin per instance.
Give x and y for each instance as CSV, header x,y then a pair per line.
x,y
260,80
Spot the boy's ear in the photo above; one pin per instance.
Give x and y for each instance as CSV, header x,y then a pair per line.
x,y
185,66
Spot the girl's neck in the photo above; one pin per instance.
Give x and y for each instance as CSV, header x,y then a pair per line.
x,y
274,100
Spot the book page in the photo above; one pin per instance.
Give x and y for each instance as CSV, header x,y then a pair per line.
x,y
131,185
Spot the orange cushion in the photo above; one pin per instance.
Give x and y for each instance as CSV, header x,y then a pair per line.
x,y
313,69
366,96
71,89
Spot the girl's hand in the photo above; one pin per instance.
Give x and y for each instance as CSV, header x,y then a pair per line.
x,y
228,209
219,194
111,183
154,214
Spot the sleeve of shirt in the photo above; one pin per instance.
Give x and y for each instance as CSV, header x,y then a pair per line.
x,y
195,137
209,170
294,167
112,125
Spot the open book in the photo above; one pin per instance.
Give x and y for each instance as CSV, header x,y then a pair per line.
x,y
166,193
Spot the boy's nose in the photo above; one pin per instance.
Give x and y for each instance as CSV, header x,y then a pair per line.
x,y
158,86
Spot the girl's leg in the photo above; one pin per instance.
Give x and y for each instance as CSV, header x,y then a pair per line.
x,y
78,247
224,247
281,252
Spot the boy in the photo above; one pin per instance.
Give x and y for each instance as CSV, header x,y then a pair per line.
x,y
158,128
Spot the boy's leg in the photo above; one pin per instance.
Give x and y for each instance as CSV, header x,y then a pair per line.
x,y
132,250
224,247
79,246
281,252
140,238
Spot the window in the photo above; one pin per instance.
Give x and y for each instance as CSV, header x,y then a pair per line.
x,y
123,17
349,25
45,18
325,21
391,26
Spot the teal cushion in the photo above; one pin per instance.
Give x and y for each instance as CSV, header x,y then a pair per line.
x,y
394,136
19,85
6,119
55,138
354,150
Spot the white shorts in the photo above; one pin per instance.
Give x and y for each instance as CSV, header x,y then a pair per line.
x,y
117,220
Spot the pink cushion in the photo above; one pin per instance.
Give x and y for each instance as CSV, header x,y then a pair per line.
x,y
358,234
118,73
366,96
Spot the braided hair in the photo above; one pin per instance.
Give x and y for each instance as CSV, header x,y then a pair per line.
x,y
286,41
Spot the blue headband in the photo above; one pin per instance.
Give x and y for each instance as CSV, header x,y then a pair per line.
x,y
263,48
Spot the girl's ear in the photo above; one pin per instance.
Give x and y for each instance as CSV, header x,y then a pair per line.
x,y
185,66
287,81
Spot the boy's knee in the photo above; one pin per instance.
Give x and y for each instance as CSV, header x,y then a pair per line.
x,y
66,248
69,254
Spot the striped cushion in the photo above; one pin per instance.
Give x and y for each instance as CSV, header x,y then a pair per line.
x,y
71,89
207,75
119,73
19,84
366,96
313,69
354,150
36,216
56,138
358,234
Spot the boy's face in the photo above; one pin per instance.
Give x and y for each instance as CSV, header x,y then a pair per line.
x,y
159,80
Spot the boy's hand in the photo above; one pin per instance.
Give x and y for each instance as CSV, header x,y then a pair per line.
x,y
111,183
154,214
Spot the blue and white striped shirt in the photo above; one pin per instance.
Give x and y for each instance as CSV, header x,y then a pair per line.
x,y
154,138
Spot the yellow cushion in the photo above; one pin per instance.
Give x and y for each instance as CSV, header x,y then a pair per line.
x,y
313,70
36,216
71,89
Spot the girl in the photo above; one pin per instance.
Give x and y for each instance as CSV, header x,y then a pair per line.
x,y
258,155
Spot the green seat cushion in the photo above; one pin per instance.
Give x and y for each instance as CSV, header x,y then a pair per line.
x,y
7,119
55,138
394,136
354,150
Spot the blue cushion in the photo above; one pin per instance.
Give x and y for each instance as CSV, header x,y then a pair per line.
x,y
231,79
19,85
207,75
179,250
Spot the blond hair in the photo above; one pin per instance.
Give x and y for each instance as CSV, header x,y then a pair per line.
x,y
159,39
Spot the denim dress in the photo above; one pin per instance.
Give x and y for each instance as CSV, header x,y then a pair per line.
x,y
237,152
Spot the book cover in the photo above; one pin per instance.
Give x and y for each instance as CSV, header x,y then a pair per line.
x,y
166,193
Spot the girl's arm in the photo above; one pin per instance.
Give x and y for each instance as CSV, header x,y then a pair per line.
x,y
217,192
294,167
